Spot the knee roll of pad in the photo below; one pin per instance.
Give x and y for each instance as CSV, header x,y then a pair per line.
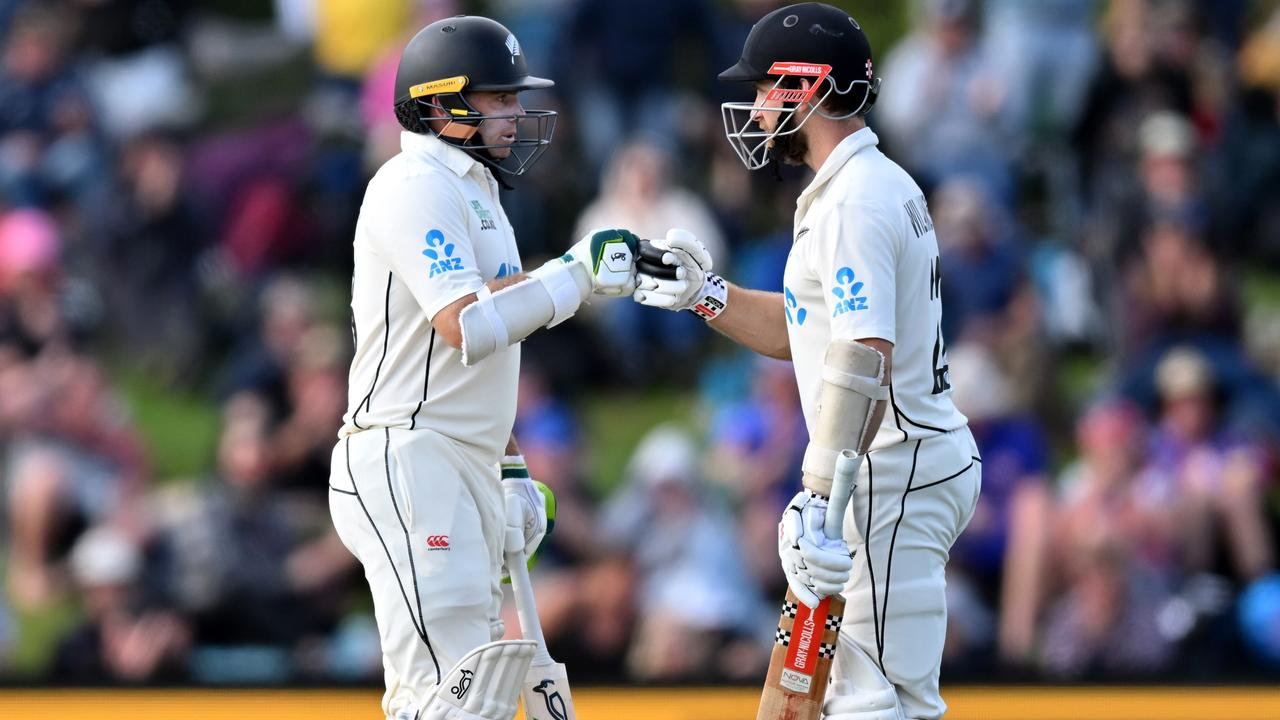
x,y
484,685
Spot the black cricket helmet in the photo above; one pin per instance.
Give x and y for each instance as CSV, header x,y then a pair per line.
x,y
451,57
814,41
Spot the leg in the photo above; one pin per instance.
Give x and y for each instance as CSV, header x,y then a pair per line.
x,y
413,509
911,503
38,505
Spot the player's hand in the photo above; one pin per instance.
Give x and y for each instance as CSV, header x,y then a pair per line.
x,y
816,566
685,281
535,502
610,259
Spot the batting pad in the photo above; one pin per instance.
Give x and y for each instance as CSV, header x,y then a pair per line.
x,y
484,685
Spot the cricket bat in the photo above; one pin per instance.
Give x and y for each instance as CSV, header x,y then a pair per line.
x,y
545,691
806,640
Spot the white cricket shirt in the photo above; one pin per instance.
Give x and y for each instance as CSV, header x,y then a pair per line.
x,y
430,231
864,264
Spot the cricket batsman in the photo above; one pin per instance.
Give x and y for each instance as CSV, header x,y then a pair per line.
x,y
860,317
440,302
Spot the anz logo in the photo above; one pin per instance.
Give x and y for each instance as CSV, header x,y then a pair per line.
x,y
846,293
795,314
441,254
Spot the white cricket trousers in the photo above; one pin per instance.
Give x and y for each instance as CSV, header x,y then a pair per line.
x,y
911,503
424,515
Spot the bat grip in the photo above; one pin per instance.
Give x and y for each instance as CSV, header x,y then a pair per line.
x,y
526,608
847,465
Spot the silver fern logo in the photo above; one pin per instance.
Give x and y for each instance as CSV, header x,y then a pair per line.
x,y
514,46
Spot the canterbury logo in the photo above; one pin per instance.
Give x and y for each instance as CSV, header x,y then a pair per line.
x,y
437,542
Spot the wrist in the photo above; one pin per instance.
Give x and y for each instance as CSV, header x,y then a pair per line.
x,y
514,468
712,298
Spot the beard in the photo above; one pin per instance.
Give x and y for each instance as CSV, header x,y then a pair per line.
x,y
791,148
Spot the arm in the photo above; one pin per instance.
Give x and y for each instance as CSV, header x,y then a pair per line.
x,y
422,234
752,318
504,312
448,325
885,348
755,320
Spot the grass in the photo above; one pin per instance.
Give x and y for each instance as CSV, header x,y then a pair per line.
x,y
616,422
179,428
38,637
1261,289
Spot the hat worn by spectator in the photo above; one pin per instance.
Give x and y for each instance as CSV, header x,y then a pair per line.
x,y
103,556
1183,372
29,243
1166,134
979,387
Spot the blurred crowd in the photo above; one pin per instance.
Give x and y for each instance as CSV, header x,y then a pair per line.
x,y
179,183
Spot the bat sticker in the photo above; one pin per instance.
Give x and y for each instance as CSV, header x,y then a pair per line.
x,y
555,703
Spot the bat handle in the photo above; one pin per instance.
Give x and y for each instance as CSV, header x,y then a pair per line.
x,y
847,465
526,609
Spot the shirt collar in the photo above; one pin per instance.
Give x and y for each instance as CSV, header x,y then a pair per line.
x,y
847,148
431,146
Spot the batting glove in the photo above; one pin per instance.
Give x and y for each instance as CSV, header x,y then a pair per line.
x,y
816,566
694,287
536,502
610,259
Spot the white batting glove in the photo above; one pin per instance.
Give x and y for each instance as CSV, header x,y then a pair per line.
x,y
816,566
610,258
694,288
531,502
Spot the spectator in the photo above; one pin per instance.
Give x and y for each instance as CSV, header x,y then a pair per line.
x,y
1247,181
988,296
1219,476
640,192
636,92
154,292
1143,70
260,363
1002,556
74,460
980,254
589,617
315,380
124,638
1104,623
941,113
237,552
693,590
137,74
1175,290
47,146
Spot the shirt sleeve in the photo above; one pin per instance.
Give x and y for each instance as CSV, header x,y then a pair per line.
x,y
855,251
420,229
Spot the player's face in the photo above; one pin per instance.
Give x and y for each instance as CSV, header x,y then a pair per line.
x,y
768,120
500,131
789,147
